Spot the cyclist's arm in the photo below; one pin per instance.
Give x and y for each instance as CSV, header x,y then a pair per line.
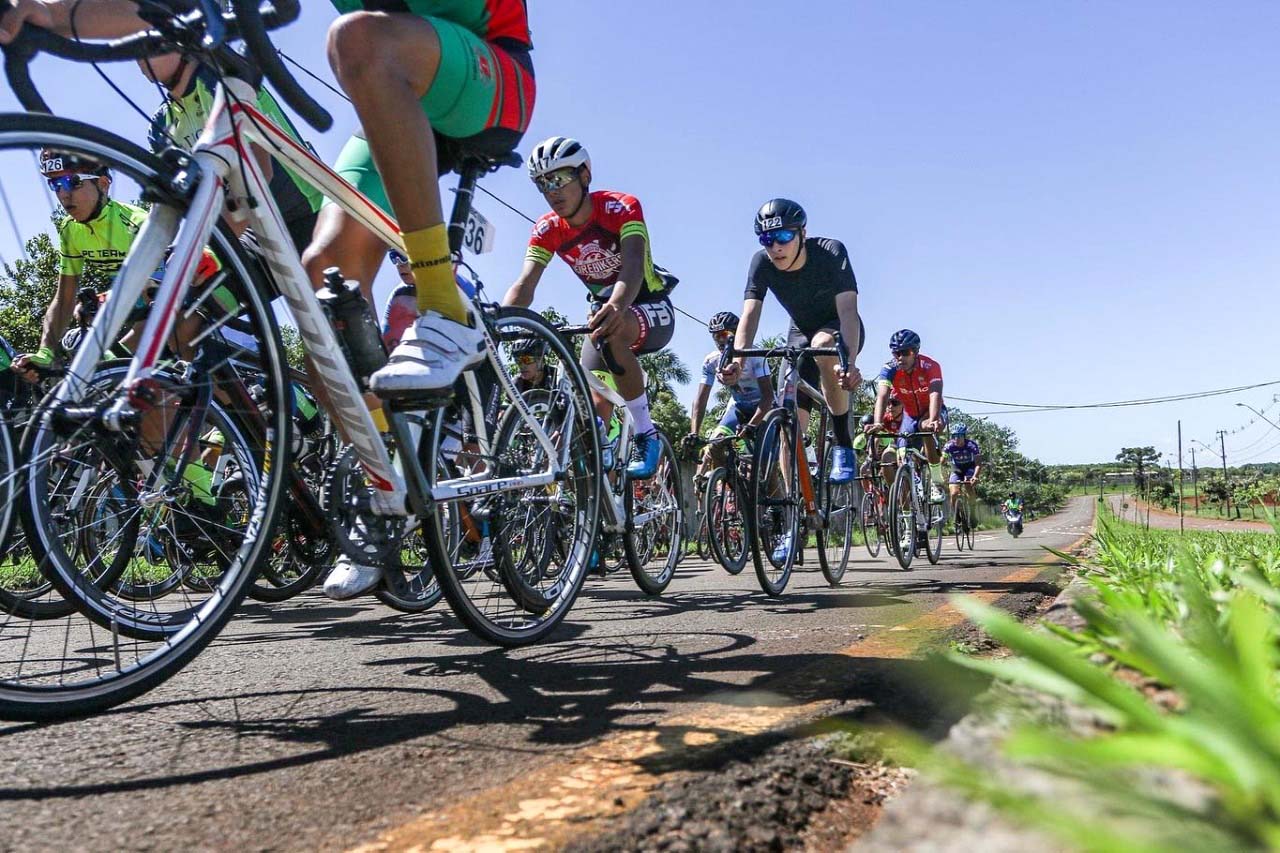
x,y
935,399
58,314
746,336
699,408
766,399
850,331
521,293
631,276
94,19
882,400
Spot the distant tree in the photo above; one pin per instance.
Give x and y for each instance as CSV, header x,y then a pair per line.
x,y
1138,458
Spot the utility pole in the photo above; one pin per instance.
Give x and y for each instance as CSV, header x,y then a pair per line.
x,y
1222,442
1182,527
1195,484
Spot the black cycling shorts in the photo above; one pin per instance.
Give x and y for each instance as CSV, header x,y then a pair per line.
x,y
657,321
808,367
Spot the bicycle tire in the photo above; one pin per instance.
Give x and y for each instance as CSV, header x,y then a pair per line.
x,y
68,687
661,539
935,513
969,528
868,521
775,503
488,611
961,522
721,528
835,537
902,521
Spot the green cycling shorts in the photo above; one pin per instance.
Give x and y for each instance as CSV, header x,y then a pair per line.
x,y
479,86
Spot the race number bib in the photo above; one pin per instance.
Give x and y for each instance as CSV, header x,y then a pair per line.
x,y
480,234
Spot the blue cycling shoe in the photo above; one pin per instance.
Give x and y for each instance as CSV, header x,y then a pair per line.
x,y
644,456
842,465
783,550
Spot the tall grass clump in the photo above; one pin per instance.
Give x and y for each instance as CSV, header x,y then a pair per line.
x,y
1177,661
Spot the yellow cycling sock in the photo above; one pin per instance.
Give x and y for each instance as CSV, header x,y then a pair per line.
x,y
380,419
428,251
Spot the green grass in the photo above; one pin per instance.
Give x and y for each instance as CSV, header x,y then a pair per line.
x,y
1194,616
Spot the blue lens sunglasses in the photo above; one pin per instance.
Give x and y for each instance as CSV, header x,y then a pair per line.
x,y
781,235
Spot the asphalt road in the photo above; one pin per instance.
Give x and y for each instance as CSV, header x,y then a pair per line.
x,y
316,725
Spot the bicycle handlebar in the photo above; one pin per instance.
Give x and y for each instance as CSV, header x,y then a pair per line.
x,y
602,347
189,32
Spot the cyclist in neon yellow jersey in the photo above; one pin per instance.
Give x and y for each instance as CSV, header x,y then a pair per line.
x,y
189,88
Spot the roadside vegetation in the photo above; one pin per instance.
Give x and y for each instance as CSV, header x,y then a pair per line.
x,y
1175,666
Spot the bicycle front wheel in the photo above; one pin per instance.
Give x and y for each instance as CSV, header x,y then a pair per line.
x,y
935,516
511,559
869,521
727,522
902,517
837,507
775,503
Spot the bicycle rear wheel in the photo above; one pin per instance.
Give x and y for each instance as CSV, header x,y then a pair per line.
x,y
935,516
969,525
836,505
902,517
540,538
775,503
121,505
655,521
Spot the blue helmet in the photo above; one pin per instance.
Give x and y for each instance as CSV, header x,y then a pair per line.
x,y
903,340
959,430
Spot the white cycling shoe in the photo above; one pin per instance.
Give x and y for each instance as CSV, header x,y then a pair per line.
x,y
432,354
349,579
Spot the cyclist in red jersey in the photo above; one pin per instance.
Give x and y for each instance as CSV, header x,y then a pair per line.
x,y
916,380
602,236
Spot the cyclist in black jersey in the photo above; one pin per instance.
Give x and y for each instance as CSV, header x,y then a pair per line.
x,y
814,281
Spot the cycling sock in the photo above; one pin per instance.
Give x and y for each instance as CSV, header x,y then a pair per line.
x,y
639,409
840,426
428,251
380,419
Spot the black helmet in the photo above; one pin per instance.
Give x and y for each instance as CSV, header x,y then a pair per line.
x,y
54,162
868,419
725,321
535,347
904,339
779,213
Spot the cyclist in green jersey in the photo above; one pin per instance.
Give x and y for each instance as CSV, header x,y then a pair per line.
x,y
189,88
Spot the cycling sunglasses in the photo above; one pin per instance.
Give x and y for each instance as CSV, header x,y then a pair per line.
x,y
67,183
724,335
526,360
555,180
397,257
781,235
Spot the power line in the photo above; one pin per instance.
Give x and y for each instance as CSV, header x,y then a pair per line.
x,y
1018,408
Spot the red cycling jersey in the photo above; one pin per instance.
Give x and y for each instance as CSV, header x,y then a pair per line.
x,y
594,251
912,387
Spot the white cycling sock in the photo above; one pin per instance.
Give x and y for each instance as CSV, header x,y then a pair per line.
x,y
639,409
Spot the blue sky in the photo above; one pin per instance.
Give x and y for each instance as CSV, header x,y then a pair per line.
x,y
1070,202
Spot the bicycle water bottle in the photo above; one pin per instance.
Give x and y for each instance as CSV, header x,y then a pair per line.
x,y
353,321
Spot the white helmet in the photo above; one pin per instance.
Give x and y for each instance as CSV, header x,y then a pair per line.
x,y
558,152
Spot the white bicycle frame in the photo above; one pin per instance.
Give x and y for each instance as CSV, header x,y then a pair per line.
x,y
229,172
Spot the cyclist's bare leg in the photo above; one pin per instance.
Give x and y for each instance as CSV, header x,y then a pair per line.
x,y
837,398
630,383
386,62
340,241
889,465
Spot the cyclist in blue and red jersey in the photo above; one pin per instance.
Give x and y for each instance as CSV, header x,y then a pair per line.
x,y
966,463
602,236
916,380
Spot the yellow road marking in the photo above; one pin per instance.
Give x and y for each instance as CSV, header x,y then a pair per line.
x,y
565,799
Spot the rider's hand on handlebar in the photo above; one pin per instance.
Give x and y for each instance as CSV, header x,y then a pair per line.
x,y
872,429
731,374
18,12
25,364
930,425
850,379
606,322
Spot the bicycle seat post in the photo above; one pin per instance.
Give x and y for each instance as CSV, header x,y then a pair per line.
x,y
470,173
